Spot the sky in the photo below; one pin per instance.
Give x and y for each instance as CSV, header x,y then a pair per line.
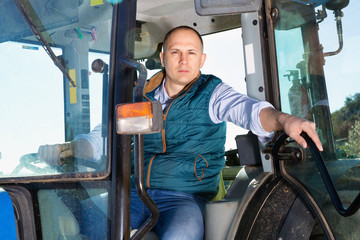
x,y
342,72
31,100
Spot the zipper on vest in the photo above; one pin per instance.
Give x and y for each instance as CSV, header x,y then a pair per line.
x,y
167,110
149,171
187,88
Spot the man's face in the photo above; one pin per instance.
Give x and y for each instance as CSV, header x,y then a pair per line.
x,y
183,57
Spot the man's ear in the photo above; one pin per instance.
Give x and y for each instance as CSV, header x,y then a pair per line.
x,y
203,58
161,55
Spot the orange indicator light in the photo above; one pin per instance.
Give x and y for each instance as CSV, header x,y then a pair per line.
x,y
141,109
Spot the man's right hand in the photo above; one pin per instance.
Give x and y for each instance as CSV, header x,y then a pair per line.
x,y
53,153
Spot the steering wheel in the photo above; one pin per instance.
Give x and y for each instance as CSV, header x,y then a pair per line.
x,y
34,164
31,162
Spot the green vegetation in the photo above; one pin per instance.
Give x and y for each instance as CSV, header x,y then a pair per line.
x,y
346,127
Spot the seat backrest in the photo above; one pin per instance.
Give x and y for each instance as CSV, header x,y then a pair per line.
x,y
221,193
216,229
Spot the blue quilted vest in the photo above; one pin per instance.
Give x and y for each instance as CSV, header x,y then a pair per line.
x,y
188,154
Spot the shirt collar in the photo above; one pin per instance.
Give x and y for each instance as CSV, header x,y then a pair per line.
x,y
161,95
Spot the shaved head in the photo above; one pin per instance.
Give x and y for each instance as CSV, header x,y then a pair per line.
x,y
172,31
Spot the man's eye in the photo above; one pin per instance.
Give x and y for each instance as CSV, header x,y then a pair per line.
x,y
192,53
174,52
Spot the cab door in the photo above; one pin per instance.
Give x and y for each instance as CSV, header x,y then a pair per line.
x,y
51,96
317,79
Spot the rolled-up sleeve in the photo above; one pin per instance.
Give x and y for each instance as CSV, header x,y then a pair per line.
x,y
95,140
226,104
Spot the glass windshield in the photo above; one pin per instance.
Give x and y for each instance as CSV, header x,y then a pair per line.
x,y
39,106
318,74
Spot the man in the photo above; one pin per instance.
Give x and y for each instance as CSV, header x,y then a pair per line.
x,y
183,162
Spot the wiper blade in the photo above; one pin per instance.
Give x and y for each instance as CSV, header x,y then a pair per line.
x,y
38,35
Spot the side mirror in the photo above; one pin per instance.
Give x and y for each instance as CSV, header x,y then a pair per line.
x,y
139,118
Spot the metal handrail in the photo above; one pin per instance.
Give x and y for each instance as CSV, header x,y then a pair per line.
x,y
141,191
324,172
139,155
330,186
140,83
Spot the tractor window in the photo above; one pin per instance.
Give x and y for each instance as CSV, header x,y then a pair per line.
x,y
318,79
228,67
45,118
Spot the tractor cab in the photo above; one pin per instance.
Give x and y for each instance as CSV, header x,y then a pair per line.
x,y
76,68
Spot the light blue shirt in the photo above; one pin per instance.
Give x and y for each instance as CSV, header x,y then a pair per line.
x,y
228,105
225,104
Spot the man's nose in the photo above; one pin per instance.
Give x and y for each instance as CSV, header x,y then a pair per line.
x,y
183,58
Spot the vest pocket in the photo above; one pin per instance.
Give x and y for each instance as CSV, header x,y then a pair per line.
x,y
198,167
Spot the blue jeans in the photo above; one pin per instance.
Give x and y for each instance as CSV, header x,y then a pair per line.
x,y
180,218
